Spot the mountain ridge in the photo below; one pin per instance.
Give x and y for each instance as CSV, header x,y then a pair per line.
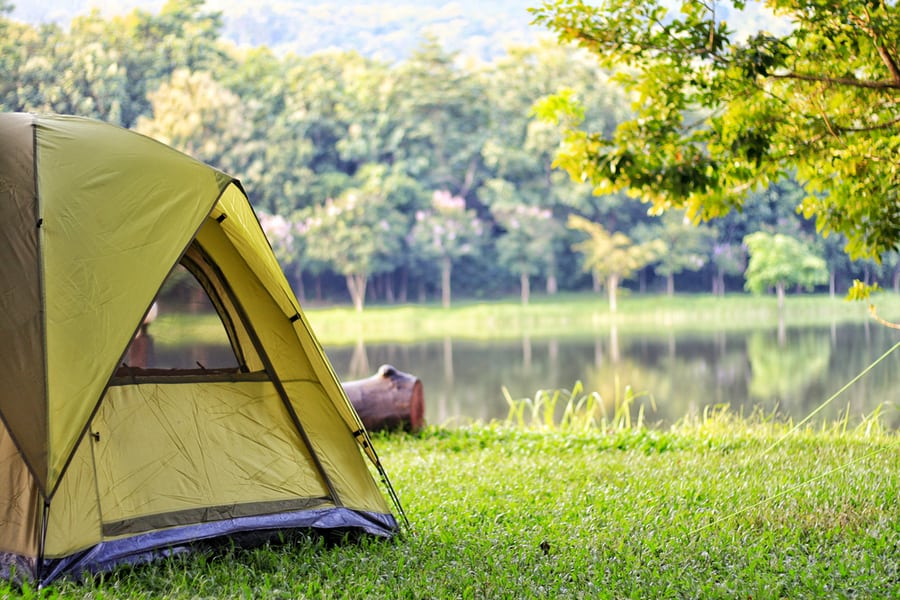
x,y
383,30
387,30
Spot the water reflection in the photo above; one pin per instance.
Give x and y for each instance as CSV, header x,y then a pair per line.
x,y
784,370
787,370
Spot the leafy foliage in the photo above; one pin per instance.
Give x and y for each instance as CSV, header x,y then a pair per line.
x,y
357,232
612,255
303,131
205,119
687,246
778,260
716,114
526,244
444,233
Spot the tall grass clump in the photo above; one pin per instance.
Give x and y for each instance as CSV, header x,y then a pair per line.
x,y
578,411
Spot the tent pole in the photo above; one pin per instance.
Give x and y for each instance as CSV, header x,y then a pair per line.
x,y
367,442
45,516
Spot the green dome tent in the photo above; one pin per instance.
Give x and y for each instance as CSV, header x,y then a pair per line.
x,y
104,461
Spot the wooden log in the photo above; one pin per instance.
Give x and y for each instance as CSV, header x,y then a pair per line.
x,y
388,400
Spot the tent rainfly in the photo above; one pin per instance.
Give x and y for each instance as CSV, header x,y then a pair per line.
x,y
104,463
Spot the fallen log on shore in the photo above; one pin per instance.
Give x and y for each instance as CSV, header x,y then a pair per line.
x,y
388,400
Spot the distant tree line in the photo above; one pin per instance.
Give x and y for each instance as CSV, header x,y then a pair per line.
x,y
394,182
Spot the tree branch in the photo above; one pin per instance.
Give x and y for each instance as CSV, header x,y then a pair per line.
x,y
889,61
892,123
469,178
883,51
883,84
880,320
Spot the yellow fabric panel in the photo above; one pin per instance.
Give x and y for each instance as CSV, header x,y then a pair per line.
x,y
245,234
23,404
19,501
267,320
74,522
170,447
298,367
118,209
336,448
329,381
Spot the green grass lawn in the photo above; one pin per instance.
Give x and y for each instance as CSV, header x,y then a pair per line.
x,y
707,509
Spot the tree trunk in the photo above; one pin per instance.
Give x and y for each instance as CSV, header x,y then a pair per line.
x,y
446,269
389,288
779,291
388,400
404,285
670,285
356,285
831,282
612,282
552,284
526,287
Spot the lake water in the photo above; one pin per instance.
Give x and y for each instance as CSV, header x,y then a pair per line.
x,y
790,372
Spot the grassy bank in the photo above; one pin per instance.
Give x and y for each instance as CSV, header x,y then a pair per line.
x,y
558,316
707,509
580,314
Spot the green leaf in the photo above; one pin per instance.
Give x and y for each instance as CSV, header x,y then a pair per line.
x,y
860,291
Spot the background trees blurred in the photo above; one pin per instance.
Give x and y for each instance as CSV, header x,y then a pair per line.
x,y
375,177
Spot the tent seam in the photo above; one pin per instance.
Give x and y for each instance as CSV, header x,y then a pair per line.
x,y
42,321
